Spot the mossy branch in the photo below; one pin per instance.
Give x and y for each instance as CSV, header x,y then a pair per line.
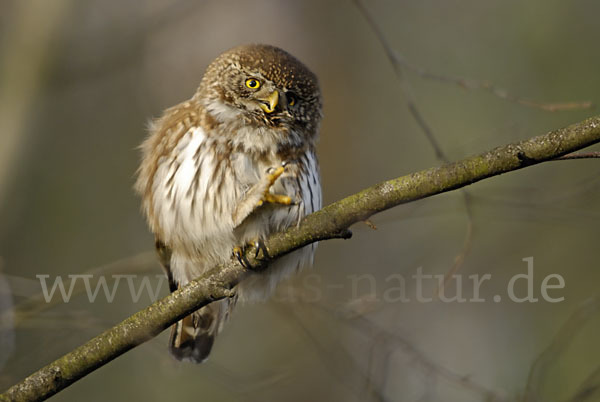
x,y
332,221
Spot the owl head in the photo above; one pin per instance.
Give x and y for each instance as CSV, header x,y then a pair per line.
x,y
262,86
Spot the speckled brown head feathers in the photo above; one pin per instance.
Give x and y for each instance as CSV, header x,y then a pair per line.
x,y
272,63
224,93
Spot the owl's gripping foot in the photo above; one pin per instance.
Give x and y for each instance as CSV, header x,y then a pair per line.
x,y
259,244
238,253
272,175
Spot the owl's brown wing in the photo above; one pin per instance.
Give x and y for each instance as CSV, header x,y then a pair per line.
x,y
182,344
164,256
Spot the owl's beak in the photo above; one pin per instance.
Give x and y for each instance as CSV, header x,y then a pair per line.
x,y
270,103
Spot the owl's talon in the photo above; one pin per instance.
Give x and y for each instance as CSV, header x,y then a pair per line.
x,y
238,252
257,246
260,246
272,175
277,199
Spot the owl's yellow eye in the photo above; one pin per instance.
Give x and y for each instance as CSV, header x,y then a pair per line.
x,y
291,101
291,98
253,83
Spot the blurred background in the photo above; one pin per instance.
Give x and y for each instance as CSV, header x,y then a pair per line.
x,y
79,82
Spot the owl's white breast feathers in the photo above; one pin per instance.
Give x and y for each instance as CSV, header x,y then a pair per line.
x,y
184,198
196,189
311,185
183,171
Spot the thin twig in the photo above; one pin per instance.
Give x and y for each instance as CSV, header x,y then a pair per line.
x,y
469,84
587,155
425,363
589,388
559,343
328,355
37,303
398,63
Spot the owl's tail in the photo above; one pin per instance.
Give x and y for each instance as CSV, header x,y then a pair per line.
x,y
192,338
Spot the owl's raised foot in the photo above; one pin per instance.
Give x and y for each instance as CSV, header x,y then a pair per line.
x,y
259,194
272,175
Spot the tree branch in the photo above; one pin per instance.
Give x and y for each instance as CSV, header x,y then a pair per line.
x,y
332,221
587,155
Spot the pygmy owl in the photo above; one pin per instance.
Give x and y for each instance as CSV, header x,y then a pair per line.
x,y
225,169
